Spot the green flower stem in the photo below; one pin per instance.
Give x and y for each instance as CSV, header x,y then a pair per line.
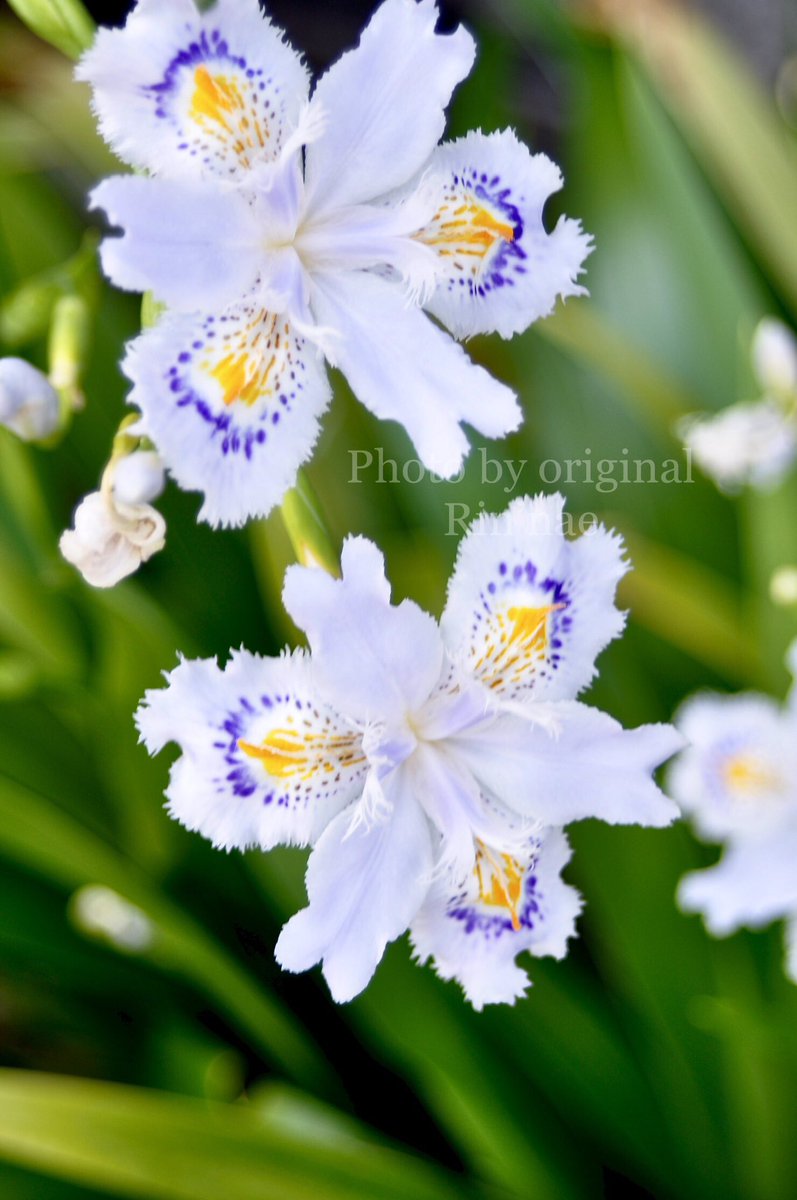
x,y
302,516
67,352
26,312
65,24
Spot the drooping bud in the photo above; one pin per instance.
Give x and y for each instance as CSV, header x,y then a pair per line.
x,y
111,540
29,404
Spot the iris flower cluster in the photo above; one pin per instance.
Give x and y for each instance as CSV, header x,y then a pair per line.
x,y
430,767
738,781
283,229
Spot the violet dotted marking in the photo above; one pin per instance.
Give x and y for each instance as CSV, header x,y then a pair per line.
x,y
242,379
518,630
478,233
482,918
286,751
225,111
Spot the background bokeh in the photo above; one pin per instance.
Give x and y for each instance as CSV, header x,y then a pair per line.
x,y
167,1056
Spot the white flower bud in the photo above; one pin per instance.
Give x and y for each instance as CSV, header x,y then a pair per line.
x,y
29,404
138,478
103,913
111,540
774,354
783,587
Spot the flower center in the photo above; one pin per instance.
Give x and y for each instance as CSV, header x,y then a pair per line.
x,y
288,753
748,775
500,881
523,636
219,107
466,230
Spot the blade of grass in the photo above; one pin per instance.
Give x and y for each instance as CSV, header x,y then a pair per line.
x,y
692,607
156,1146
35,833
732,127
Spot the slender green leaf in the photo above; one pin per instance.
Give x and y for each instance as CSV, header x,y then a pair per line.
x,y
65,24
731,125
692,607
35,833
160,1147
580,330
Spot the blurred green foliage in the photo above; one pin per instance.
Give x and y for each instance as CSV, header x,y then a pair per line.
x,y
186,1065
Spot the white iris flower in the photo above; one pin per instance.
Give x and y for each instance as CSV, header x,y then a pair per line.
x,y
754,443
430,766
281,230
738,781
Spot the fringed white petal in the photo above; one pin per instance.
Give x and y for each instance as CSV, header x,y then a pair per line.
x,y
404,368
375,660
753,883
232,404
385,105
263,761
189,94
475,934
365,885
588,766
529,611
498,268
191,243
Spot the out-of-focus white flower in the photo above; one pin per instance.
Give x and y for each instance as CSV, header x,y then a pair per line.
x,y
774,354
751,443
29,404
138,478
282,229
737,779
111,540
754,443
425,764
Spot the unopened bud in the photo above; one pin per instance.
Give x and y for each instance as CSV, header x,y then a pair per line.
x,y
774,353
103,913
111,540
68,348
138,478
29,404
783,587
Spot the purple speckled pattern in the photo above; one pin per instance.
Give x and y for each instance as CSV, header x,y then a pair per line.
x,y
491,924
506,258
237,726
506,585
236,435
258,93
252,719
